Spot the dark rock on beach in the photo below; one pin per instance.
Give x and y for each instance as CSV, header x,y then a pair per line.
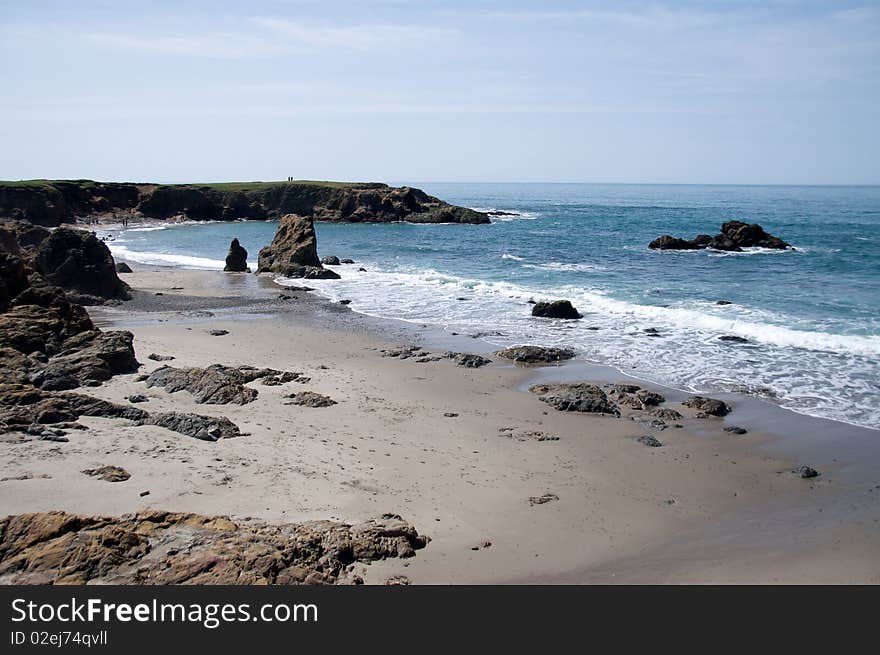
x,y
634,396
294,251
108,473
555,309
236,258
580,397
73,260
535,354
122,267
197,426
707,406
23,406
157,547
468,360
667,414
648,440
217,384
734,429
543,499
805,472
310,399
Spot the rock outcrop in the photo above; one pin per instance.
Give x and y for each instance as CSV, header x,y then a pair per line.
x,y
217,384
294,250
163,548
734,236
310,399
468,360
53,202
236,258
555,309
74,260
535,354
579,397
707,406
50,342
22,407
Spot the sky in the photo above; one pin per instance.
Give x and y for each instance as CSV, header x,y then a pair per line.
x,y
773,92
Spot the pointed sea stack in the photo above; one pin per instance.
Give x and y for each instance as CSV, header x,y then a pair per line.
x,y
236,259
294,250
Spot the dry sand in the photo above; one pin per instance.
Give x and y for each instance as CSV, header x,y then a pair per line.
x,y
705,507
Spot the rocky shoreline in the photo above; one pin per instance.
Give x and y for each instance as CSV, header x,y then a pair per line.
x,y
343,427
52,203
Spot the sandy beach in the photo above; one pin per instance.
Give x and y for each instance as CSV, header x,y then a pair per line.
x,y
508,489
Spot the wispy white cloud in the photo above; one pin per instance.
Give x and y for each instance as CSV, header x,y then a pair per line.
x,y
353,37
267,37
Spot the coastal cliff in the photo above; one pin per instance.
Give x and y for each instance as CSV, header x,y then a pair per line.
x,y
52,202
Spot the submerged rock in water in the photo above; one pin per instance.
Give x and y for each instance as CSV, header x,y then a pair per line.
x,y
164,548
535,354
734,236
236,258
580,397
555,309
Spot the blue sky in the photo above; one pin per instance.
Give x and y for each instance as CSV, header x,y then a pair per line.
x,y
661,92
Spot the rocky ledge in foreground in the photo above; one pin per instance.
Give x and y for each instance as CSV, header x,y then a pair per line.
x,y
48,414
734,236
53,202
162,548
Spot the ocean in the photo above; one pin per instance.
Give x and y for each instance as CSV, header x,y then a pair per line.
x,y
811,317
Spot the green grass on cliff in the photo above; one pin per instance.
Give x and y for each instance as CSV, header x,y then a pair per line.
x,y
220,186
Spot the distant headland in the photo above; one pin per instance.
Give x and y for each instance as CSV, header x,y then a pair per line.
x,y
52,202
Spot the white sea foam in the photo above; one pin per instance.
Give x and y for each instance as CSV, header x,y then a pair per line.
x,y
513,257
165,259
563,266
512,215
812,371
